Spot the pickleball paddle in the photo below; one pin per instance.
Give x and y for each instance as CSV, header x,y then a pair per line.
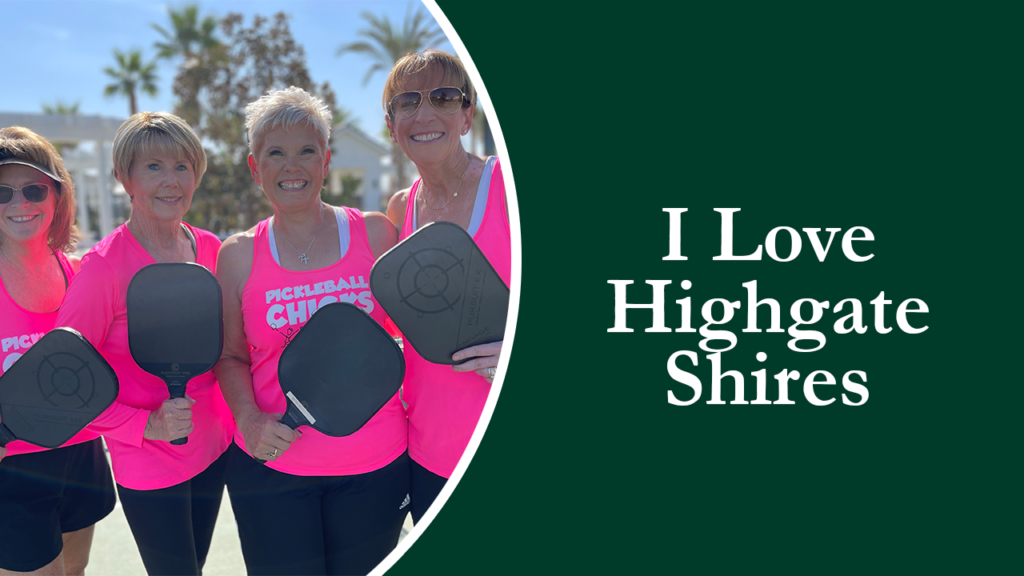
x,y
339,370
441,292
175,330
54,390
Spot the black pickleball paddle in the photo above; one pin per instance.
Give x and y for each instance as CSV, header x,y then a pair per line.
x,y
339,370
441,292
54,390
175,330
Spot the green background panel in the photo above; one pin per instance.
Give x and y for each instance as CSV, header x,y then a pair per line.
x,y
905,120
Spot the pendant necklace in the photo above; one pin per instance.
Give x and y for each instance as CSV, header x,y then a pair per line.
x,y
457,188
302,255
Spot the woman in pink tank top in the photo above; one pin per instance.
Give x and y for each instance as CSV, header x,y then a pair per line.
x,y
444,403
170,494
49,499
345,498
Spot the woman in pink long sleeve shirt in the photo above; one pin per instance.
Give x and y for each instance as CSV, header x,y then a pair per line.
x,y
170,494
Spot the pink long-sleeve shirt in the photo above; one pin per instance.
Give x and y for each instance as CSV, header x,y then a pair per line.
x,y
95,305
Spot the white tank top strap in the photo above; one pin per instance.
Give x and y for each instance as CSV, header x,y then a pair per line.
x,y
344,236
270,239
482,191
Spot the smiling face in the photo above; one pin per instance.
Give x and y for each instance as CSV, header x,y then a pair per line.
x,y
291,165
21,220
429,137
161,182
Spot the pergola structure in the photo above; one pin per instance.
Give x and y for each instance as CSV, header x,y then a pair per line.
x,y
64,129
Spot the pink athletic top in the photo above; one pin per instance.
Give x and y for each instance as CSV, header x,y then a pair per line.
x,y
276,303
95,305
444,405
19,330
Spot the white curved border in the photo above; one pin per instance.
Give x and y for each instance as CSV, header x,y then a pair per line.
x,y
513,309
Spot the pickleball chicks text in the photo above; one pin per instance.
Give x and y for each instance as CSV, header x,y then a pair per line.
x,y
806,324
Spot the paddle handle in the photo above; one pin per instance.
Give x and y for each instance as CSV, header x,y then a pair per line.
x,y
288,420
177,390
6,435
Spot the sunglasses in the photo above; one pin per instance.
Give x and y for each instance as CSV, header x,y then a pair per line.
x,y
32,192
446,100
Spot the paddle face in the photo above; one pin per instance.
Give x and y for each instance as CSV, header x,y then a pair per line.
x,y
341,369
174,320
59,386
441,292
175,329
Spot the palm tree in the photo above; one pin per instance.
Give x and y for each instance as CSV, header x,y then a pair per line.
x,y
190,39
188,36
130,76
385,45
60,108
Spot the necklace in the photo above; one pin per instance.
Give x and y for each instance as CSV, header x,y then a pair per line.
x,y
302,255
457,188
155,248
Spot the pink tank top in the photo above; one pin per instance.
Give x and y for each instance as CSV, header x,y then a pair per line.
x,y
19,330
276,303
96,306
444,405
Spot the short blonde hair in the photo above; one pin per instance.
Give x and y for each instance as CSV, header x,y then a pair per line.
x,y
284,109
451,70
24,144
156,132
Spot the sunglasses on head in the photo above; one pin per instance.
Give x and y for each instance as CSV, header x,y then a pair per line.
x,y
446,100
32,192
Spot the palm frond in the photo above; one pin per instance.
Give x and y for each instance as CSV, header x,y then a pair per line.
x,y
384,45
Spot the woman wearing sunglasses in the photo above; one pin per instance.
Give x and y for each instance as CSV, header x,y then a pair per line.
x,y
346,498
49,499
444,403
170,493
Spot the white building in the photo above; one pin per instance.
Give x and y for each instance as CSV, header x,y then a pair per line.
x,y
356,155
103,204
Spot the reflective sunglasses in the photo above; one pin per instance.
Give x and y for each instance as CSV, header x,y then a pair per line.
x,y
446,100
32,192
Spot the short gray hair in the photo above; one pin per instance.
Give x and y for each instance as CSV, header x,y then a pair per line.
x,y
284,109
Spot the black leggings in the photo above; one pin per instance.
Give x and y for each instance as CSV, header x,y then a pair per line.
x,y
316,524
173,526
425,487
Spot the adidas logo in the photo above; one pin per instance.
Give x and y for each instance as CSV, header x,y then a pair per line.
x,y
405,502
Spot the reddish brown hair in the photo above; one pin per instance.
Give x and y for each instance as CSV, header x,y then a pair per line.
x,y
24,144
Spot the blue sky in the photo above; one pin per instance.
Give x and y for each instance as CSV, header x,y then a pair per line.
x,y
57,49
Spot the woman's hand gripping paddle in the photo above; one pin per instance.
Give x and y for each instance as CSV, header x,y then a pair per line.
x,y
175,329
441,292
339,370
54,390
